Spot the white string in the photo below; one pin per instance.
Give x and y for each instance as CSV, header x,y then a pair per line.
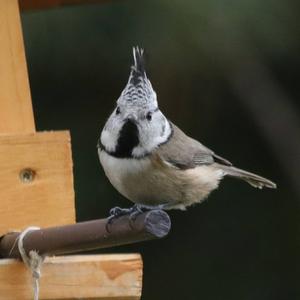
x,y
33,261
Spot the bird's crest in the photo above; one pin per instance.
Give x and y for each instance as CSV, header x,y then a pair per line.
x,y
139,64
138,90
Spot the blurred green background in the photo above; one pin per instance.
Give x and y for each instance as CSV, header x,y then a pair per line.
x,y
226,72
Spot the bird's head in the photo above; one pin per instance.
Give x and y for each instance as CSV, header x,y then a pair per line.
x,y
136,126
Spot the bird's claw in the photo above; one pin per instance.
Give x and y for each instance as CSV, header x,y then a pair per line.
x,y
118,212
133,213
115,213
138,209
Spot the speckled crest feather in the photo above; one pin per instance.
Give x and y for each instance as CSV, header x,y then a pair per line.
x,y
138,91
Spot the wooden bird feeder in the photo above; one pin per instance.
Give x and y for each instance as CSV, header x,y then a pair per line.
x,y
36,189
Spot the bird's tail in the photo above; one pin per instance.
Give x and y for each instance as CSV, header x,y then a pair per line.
x,y
253,179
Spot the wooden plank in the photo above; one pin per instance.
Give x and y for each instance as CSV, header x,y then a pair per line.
x,y
109,277
16,114
38,4
47,199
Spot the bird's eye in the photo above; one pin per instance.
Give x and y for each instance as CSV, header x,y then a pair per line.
x,y
118,110
149,116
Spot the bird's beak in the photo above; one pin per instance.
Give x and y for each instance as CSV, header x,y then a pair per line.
x,y
131,118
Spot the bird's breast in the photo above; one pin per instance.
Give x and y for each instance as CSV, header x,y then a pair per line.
x,y
123,171
151,182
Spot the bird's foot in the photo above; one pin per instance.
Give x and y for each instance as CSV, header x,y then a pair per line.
x,y
116,213
133,212
138,209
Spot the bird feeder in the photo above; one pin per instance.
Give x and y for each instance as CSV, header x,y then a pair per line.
x,y
36,179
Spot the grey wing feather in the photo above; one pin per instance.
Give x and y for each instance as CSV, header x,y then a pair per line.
x,y
221,160
184,152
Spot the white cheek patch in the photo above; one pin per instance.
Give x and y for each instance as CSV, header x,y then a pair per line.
x,y
149,144
168,131
109,140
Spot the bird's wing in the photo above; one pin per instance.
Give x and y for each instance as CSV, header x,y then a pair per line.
x,y
183,152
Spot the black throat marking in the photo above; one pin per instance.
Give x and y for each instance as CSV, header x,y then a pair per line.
x,y
127,141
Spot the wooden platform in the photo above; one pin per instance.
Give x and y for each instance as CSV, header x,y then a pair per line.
x,y
36,186
90,277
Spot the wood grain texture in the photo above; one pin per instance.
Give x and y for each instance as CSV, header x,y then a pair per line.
x,y
38,4
109,277
16,115
48,199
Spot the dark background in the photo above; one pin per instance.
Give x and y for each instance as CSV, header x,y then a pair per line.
x,y
226,72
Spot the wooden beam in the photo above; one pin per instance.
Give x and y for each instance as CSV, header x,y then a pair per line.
x,y
36,180
38,4
110,277
16,115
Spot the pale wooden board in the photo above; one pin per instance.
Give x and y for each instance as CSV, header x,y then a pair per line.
x,y
16,114
41,4
109,277
49,199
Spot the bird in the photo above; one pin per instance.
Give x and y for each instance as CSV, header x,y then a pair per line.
x,y
151,161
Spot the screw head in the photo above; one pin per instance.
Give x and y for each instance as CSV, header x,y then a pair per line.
x,y
27,175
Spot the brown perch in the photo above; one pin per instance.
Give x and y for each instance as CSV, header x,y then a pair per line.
x,y
89,235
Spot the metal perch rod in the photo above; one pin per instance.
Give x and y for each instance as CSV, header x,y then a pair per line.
x,y
89,235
